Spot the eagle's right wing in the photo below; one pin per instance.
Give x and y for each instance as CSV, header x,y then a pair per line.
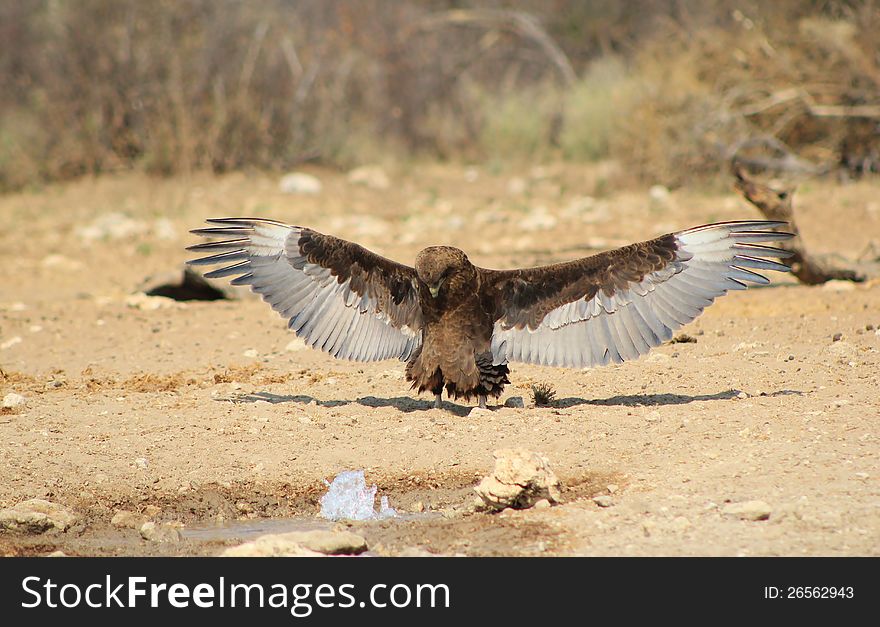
x,y
336,295
619,304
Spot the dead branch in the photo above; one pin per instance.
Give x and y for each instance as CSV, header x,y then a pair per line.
x,y
518,22
784,159
777,205
806,100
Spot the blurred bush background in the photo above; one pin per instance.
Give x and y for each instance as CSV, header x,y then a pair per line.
x,y
671,90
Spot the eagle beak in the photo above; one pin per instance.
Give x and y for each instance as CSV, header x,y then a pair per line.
x,y
434,289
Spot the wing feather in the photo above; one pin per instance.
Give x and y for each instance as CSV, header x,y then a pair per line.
x,y
338,296
617,305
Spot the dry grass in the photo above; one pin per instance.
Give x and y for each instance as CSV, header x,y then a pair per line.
x,y
106,85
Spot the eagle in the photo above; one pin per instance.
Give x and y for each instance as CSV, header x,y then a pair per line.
x,y
458,326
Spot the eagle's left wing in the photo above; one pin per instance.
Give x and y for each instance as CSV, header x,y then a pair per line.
x,y
619,304
338,296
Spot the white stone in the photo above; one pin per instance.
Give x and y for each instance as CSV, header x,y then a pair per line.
x,y
13,400
748,510
300,183
372,176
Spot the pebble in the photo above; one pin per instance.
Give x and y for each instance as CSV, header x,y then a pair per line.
x,y
612,488
60,262
128,520
837,337
603,500
10,342
300,183
329,542
680,524
295,344
748,510
515,401
660,196
159,532
12,400
371,176
542,504
111,226
837,285
142,463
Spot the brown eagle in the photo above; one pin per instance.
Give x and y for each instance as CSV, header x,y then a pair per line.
x,y
458,325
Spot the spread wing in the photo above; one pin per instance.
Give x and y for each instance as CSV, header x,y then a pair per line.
x,y
338,296
619,304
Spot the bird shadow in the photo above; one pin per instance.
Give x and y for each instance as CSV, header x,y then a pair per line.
x,y
268,397
648,400
406,404
401,403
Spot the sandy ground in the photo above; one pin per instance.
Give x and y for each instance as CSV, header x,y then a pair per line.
x,y
205,414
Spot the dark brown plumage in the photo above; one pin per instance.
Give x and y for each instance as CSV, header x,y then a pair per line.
x,y
458,325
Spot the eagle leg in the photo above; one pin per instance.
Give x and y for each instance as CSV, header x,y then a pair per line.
x,y
437,401
482,401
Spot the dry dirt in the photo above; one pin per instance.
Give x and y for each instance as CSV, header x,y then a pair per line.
x,y
198,413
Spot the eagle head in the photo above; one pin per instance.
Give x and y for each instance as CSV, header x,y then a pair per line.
x,y
439,266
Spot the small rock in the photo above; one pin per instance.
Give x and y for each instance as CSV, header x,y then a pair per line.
x,y
141,463
660,197
272,545
415,551
612,488
328,542
477,412
747,510
296,344
60,262
150,303
251,352
837,285
12,400
10,342
371,176
542,504
151,511
418,506
515,401
111,226
603,500
36,516
300,183
538,219
654,416
56,554
164,229
128,520
680,524
161,532
516,186
519,480
837,337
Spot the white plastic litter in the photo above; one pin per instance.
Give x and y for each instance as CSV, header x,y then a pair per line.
x,y
349,498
